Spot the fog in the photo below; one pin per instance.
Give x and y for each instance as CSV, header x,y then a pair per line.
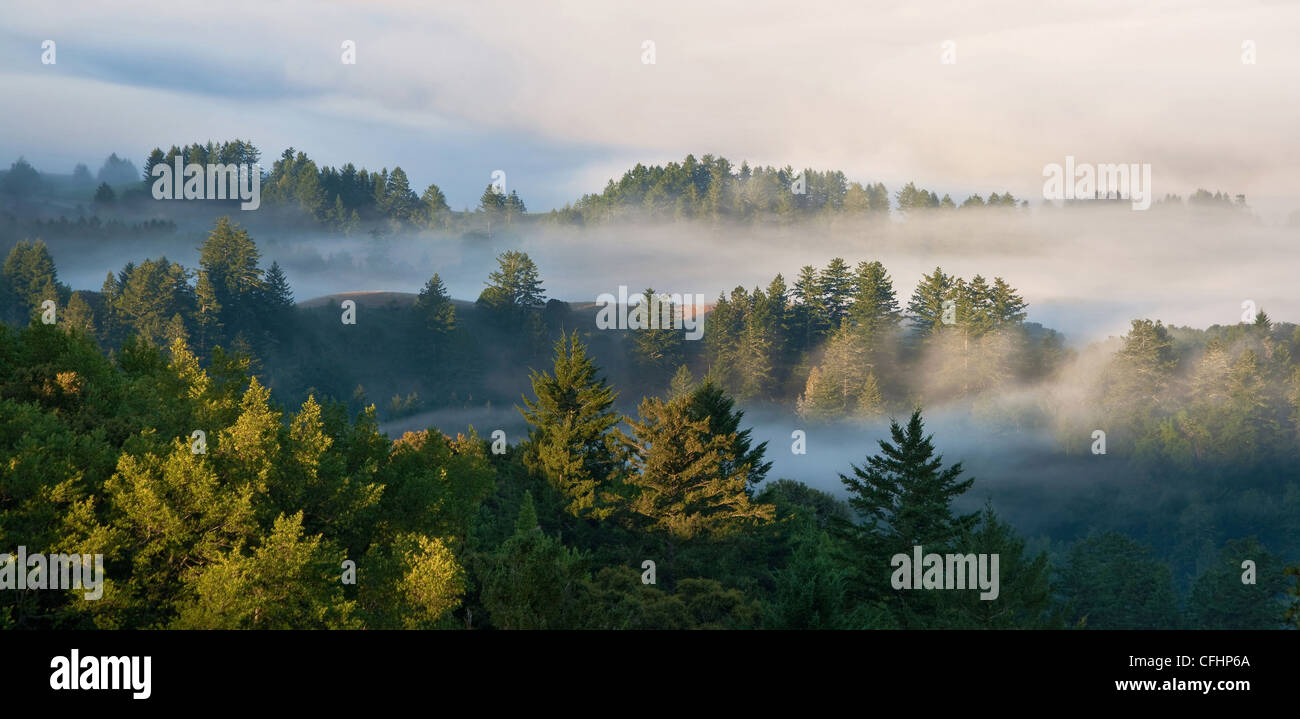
x,y
1027,474
1085,271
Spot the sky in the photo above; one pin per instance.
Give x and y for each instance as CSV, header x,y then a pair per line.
x,y
558,94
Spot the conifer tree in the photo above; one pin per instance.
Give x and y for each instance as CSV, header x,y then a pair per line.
x,y
290,581
875,306
1138,378
435,308
927,305
1219,599
712,402
230,282
1114,583
79,315
435,208
1025,598
683,383
658,346
688,480
835,287
808,315
279,295
726,323
400,202
571,442
757,349
1007,306
903,496
514,288
533,581
843,384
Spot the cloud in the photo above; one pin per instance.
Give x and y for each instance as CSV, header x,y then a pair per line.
x,y
857,86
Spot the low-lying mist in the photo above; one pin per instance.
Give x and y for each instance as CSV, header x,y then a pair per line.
x,y
1085,270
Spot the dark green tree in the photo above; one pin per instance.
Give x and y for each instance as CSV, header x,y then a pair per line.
x,y
903,497
926,308
435,308
1112,582
1221,599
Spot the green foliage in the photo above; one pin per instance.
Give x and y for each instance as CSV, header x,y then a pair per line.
x,y
27,279
434,307
571,441
1114,583
1222,599
514,289
657,346
692,475
902,497
290,581
533,581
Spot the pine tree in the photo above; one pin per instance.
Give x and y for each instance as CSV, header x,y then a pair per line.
x,y
514,289
526,523
278,293
207,314
78,314
758,349
434,306
808,315
1219,599
835,287
533,581
150,296
875,306
711,402
28,279
835,388
976,315
682,384
878,197
290,581
870,402
230,282
1137,380
104,194
810,590
904,496
1007,306
726,322
571,441
307,190
927,306
1114,583
658,346
436,210
492,202
1025,598
514,207
400,202
688,480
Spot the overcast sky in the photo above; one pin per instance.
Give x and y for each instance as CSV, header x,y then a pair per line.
x,y
556,93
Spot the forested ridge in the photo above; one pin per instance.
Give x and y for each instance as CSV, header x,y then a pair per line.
x,y
296,191
636,450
